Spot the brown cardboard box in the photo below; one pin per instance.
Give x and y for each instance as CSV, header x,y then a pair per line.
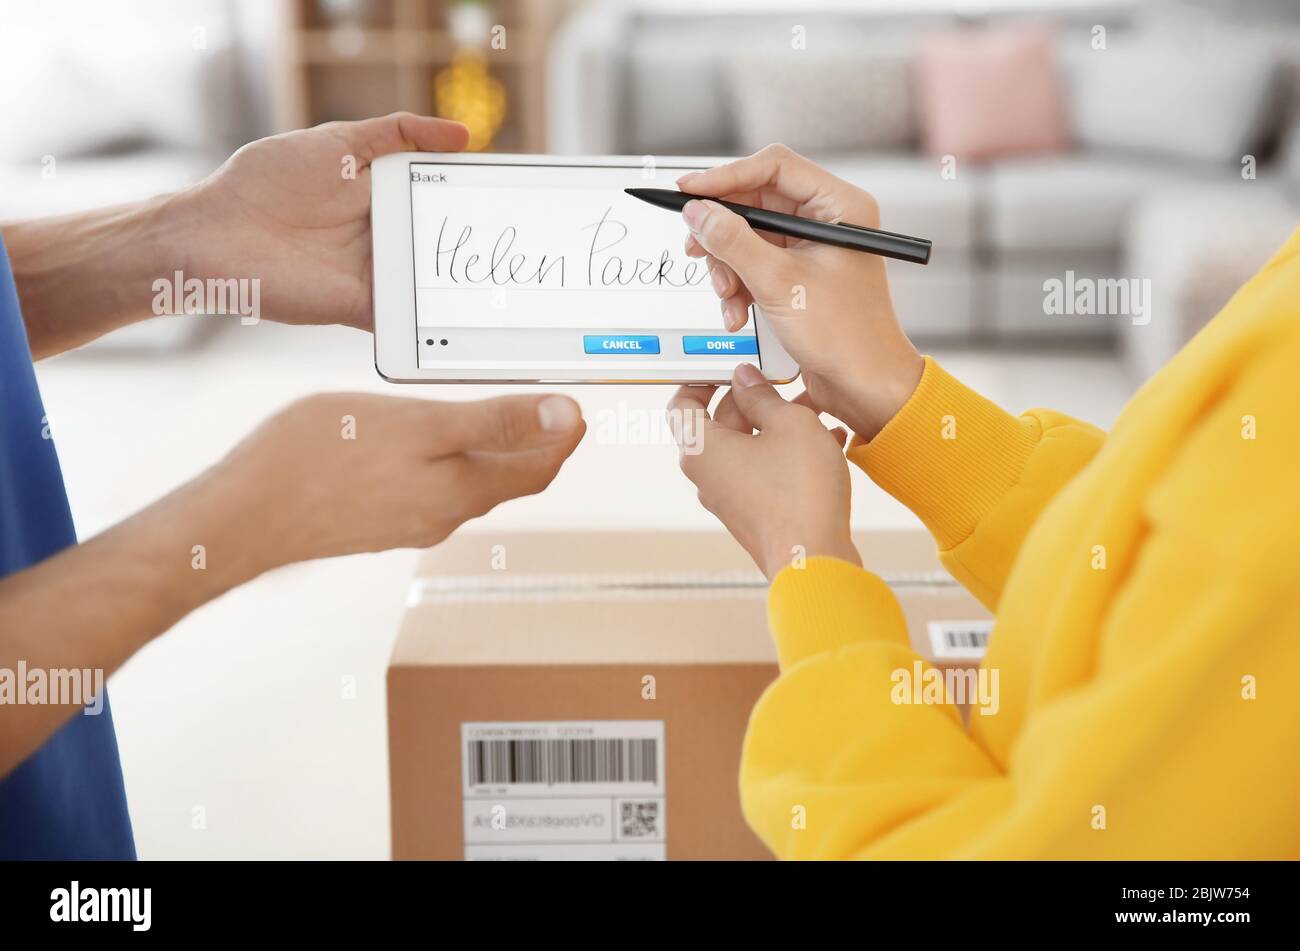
x,y
623,666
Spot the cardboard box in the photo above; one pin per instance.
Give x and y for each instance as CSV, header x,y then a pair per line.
x,y
585,695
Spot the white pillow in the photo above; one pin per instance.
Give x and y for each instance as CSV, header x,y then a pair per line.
x,y
78,78
1151,93
58,108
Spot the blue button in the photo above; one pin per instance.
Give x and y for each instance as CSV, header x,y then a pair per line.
x,y
619,344
720,345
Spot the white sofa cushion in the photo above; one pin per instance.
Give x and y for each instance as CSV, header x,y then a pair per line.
x,y
1198,246
1077,202
79,184
916,199
1016,301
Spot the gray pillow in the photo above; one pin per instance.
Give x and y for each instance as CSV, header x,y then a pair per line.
x,y
824,102
675,97
1151,93
1288,160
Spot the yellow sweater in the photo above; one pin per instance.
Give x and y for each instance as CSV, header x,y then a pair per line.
x,y
1146,591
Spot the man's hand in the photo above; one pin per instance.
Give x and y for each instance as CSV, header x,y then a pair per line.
x,y
291,211
781,492
294,211
329,475
351,472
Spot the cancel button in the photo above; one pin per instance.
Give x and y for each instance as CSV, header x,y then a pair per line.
x,y
619,343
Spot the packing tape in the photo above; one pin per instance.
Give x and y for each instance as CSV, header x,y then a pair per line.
x,y
633,586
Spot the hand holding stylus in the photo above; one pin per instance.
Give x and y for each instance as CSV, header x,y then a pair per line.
x,y
839,234
829,306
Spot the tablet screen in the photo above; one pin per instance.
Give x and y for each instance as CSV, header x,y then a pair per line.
x,y
555,268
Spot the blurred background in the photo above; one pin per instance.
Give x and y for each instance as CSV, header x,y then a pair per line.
x,y
1156,141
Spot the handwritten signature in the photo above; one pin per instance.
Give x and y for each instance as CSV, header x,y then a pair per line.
x,y
504,265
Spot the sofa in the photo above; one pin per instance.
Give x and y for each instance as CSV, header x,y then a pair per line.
x,y
103,108
1182,129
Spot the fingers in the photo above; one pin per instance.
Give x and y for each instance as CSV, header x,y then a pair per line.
x,y
490,478
505,424
776,167
692,398
756,399
733,294
840,434
728,414
402,132
804,399
727,237
688,416
724,279
735,311
779,169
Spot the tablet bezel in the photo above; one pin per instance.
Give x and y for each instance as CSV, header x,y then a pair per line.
x,y
393,285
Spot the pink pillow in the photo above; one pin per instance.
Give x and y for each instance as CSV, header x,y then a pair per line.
x,y
990,92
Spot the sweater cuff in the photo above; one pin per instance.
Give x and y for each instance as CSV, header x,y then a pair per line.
x,y
949,455
828,604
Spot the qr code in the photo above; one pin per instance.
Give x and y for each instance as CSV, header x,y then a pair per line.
x,y
640,820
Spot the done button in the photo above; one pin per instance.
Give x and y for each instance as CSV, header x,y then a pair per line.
x,y
719,345
618,343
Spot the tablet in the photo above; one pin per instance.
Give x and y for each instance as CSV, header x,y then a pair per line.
x,y
529,268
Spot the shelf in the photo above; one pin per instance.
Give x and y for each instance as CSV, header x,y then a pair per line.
x,y
389,64
419,47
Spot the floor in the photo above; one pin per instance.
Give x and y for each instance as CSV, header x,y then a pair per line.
x,y
237,738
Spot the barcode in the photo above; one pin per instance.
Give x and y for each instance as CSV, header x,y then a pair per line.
x,y
966,638
621,760
959,640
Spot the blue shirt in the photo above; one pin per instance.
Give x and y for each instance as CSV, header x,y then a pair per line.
x,y
66,800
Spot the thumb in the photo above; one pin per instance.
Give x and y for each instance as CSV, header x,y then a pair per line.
x,y
402,132
730,239
756,398
509,423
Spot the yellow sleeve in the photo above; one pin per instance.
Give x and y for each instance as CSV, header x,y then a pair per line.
x,y
1128,765
974,474
831,763
1161,717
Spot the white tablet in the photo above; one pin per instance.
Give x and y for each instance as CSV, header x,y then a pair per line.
x,y
530,268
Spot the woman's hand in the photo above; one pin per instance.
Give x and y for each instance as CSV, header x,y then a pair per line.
x,y
783,492
829,306
293,210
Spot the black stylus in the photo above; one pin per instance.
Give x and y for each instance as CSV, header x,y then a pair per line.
x,y
884,243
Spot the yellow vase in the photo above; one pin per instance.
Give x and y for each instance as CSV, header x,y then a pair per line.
x,y
467,92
